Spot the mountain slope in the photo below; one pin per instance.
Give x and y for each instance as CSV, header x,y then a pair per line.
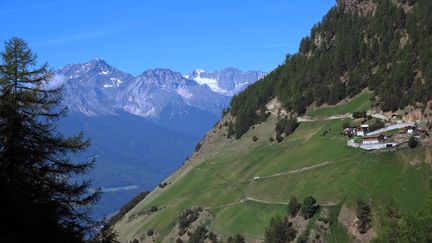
x,y
242,183
383,45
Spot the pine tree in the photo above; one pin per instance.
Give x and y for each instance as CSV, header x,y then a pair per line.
x,y
293,206
40,203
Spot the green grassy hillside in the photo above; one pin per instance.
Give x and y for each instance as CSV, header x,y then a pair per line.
x,y
360,102
222,178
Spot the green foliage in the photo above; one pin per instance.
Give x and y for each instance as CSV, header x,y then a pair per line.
x,y
412,142
254,138
279,138
280,231
198,146
238,238
399,228
106,235
285,127
346,123
391,225
199,235
309,207
364,216
212,237
389,52
304,236
150,232
359,114
293,206
187,218
39,201
230,130
225,111
376,124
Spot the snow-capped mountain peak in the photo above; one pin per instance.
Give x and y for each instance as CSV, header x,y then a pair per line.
x,y
228,81
96,88
197,76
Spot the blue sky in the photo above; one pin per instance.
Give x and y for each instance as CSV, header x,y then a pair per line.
x,y
135,35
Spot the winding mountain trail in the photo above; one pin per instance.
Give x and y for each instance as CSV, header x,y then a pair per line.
x,y
294,171
265,202
247,198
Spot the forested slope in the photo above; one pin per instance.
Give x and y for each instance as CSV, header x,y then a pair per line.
x,y
384,45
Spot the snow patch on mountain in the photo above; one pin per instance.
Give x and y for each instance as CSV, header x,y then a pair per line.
x,y
212,83
228,82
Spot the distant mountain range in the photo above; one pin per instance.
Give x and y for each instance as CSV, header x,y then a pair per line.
x,y
96,88
142,127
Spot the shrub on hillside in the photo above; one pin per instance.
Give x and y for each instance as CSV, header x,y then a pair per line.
x,y
286,126
412,142
280,230
187,218
154,209
309,207
279,138
198,146
304,237
199,235
164,184
213,237
238,238
293,206
254,138
230,130
359,114
150,232
364,216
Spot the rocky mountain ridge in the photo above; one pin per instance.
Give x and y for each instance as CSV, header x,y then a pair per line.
x,y
96,88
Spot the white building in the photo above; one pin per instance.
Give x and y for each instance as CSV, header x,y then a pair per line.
x,y
374,139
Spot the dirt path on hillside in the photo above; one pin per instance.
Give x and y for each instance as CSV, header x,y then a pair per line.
x,y
265,202
246,198
334,117
227,204
294,171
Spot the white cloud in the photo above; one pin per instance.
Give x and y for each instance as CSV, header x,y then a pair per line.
x,y
84,36
56,81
